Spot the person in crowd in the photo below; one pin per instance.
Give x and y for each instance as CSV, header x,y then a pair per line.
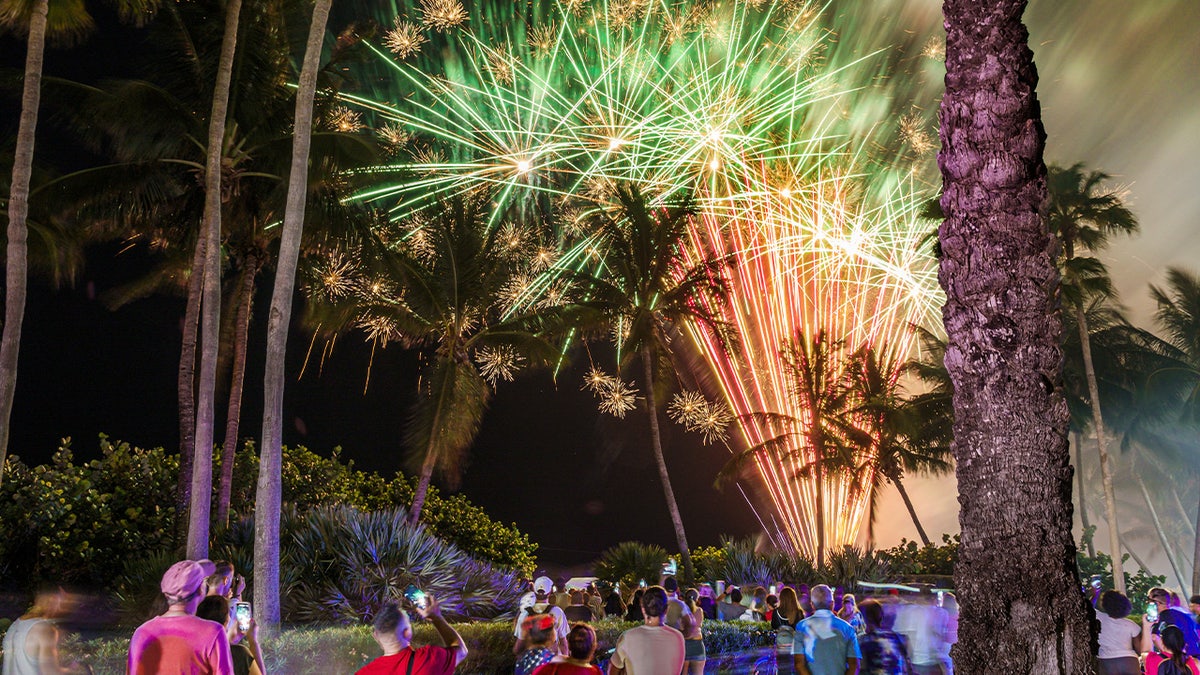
x,y
542,587
31,642
1168,615
1177,661
884,652
708,602
694,655
243,645
729,604
677,616
614,605
540,638
850,614
927,629
1119,637
756,605
178,641
634,611
825,644
805,600
772,605
1194,605
652,648
581,648
560,596
224,581
393,631
595,602
578,611
783,621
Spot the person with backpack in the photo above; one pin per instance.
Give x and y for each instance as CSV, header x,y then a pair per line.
x,y
542,587
1176,661
539,636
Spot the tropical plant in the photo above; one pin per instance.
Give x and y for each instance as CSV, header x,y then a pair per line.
x,y
1004,358
849,565
268,496
641,290
908,558
39,20
630,562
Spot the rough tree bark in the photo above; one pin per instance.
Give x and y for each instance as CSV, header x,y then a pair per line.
x,y
16,255
268,494
233,415
1083,512
685,555
185,387
1021,608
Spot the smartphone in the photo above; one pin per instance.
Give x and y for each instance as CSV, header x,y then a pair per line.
x,y
642,583
671,568
941,595
242,614
1096,579
1152,611
416,596
720,586
774,589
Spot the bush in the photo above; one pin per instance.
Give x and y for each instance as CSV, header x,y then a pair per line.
x,y
630,562
849,565
1136,586
79,522
910,559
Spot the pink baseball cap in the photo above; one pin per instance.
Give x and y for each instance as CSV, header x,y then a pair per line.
x,y
184,578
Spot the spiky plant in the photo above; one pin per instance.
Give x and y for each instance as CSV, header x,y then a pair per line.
x,y
630,562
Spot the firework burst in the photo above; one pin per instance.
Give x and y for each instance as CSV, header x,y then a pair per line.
x,y
498,363
442,15
618,399
404,39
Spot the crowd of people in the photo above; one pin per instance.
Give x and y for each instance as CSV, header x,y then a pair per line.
x,y
1166,643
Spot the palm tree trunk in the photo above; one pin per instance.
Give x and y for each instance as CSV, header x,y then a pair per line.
x,y
1132,551
685,555
1162,535
210,307
268,495
1021,609
185,387
233,414
1083,514
422,489
819,476
16,255
1110,499
911,511
1196,556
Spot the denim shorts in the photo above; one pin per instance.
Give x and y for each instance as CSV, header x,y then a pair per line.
x,y
693,650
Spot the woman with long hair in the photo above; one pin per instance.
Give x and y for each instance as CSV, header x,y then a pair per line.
x,y
1178,663
783,621
694,655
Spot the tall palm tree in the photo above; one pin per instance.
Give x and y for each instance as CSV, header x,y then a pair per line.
x,y
902,436
39,19
1179,315
1021,610
268,495
641,290
1084,215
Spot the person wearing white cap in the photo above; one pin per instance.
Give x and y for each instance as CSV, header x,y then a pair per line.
x,y
542,586
177,642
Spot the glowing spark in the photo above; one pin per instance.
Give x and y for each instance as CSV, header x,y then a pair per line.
x,y
394,136
345,120
618,399
912,130
541,40
379,329
404,40
597,381
336,275
499,363
442,15
523,166
687,407
934,48
500,64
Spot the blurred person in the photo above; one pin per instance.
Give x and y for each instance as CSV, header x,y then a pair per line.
x,y
1168,615
542,587
731,609
805,600
884,652
1194,605
393,631
177,641
581,648
708,602
634,611
850,614
824,644
223,581
757,606
540,639
783,621
614,605
652,648
577,611
677,616
595,602
927,629
31,642
694,655
1119,637
772,605
559,595
243,646
1177,661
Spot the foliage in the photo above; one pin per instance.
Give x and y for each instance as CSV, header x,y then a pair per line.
x,y
708,561
741,564
849,565
630,562
1136,586
909,558
344,649
69,521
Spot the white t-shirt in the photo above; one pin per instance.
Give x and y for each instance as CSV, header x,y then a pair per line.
x,y
649,650
926,630
1116,636
561,627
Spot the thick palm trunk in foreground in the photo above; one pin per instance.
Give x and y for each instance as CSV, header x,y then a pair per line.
x,y
685,555
268,494
16,255
1021,608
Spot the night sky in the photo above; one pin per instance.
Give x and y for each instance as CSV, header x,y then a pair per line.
x,y
1119,93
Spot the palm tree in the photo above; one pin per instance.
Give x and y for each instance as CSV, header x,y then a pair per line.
x,y
641,290
1004,357
1084,216
67,22
1179,315
824,440
903,437
268,496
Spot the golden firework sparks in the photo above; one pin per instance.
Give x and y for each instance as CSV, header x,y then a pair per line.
x,y
345,120
542,39
404,39
618,399
498,363
597,381
687,407
442,15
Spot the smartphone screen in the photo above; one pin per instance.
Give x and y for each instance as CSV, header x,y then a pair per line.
x,y
416,596
774,589
242,614
642,583
1152,611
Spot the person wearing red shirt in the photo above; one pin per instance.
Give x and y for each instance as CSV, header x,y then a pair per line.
x,y
581,645
393,631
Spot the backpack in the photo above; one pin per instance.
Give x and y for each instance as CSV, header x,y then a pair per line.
x,y
1170,668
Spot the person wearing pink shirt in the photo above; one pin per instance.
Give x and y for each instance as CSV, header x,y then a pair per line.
x,y
178,642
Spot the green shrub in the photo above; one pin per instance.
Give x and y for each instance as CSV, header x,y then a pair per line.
x,y
910,559
1136,585
630,562
849,565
